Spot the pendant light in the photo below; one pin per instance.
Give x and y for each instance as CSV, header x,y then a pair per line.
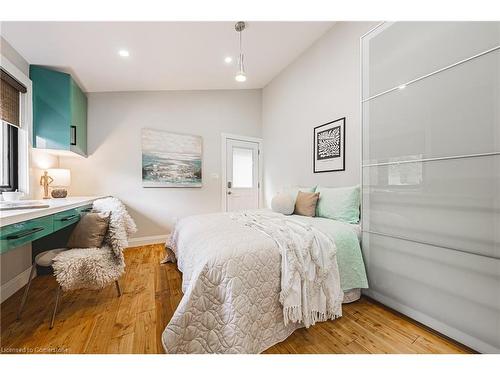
x,y
240,75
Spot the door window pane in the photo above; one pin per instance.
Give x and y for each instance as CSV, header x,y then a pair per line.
x,y
242,167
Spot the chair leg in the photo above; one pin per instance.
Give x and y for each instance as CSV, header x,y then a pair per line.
x,y
26,290
118,289
58,294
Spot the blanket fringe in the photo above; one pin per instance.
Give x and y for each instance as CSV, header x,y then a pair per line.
x,y
293,314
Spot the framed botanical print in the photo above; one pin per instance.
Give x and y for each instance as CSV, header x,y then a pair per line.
x,y
329,147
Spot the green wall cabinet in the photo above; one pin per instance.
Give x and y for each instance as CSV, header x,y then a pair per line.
x,y
59,111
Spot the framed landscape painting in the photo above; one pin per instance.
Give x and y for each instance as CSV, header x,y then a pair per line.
x,y
171,159
329,147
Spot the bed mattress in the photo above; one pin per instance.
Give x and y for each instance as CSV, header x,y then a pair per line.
x,y
357,229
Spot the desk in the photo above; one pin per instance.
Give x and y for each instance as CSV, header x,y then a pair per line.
x,y
18,227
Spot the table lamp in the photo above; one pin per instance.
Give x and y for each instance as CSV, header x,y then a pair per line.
x,y
61,178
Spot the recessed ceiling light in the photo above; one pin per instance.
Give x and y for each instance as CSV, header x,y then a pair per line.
x,y
228,60
124,53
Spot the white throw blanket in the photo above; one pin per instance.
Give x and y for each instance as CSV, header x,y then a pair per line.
x,y
310,280
95,268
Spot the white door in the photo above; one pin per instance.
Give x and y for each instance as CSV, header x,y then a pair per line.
x,y
242,175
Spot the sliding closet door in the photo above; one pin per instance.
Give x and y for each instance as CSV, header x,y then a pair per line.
x,y
431,174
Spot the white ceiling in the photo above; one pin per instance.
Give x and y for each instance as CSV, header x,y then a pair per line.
x,y
163,55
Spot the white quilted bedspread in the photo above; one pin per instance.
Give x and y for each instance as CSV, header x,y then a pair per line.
x,y
231,284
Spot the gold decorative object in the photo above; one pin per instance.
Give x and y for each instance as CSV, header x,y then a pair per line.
x,y
45,181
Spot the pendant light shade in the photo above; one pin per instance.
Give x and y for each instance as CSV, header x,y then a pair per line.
x,y
241,75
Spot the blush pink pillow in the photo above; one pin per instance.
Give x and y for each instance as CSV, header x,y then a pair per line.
x,y
305,204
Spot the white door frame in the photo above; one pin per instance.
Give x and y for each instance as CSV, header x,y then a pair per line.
x,y
224,138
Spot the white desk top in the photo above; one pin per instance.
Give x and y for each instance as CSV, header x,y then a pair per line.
x,y
55,206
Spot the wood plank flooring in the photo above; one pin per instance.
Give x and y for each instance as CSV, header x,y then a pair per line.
x,y
102,322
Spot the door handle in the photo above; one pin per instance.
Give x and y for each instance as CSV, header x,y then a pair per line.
x,y
68,218
25,233
229,184
229,193
73,135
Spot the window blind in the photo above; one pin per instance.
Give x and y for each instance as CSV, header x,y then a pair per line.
x,y
9,98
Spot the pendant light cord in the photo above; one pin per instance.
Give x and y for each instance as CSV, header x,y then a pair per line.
x,y
241,53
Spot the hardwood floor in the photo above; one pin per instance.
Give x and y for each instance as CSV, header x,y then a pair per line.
x,y
100,322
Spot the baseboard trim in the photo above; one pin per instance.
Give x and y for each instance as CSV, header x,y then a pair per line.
x,y
444,329
147,240
13,285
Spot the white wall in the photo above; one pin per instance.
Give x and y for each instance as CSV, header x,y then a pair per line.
x,y
113,167
18,260
13,56
320,86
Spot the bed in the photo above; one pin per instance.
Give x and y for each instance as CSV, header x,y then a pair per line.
x,y
231,283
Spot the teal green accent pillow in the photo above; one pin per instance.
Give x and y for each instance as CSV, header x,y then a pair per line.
x,y
339,203
294,191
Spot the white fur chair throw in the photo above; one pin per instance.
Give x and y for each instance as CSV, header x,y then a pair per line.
x,y
94,268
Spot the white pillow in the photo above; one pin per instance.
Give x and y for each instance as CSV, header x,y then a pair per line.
x,y
283,203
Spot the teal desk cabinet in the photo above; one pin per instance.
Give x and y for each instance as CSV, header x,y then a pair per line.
x,y
59,111
18,234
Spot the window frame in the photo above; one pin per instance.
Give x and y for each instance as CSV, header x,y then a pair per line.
x,y
12,158
25,133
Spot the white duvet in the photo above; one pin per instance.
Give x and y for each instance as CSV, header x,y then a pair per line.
x,y
231,284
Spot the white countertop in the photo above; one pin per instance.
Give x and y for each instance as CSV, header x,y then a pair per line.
x,y
55,205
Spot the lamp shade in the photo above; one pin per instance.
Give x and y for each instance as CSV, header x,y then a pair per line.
x,y
62,177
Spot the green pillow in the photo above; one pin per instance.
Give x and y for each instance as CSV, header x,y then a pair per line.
x,y
294,191
339,203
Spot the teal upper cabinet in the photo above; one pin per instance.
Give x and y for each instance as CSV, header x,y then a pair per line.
x,y
78,132
59,112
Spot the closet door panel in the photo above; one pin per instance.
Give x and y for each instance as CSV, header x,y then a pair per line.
x,y
399,52
453,292
451,203
456,112
431,175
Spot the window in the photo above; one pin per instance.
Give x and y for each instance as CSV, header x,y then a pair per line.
x,y
10,91
9,170
242,167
